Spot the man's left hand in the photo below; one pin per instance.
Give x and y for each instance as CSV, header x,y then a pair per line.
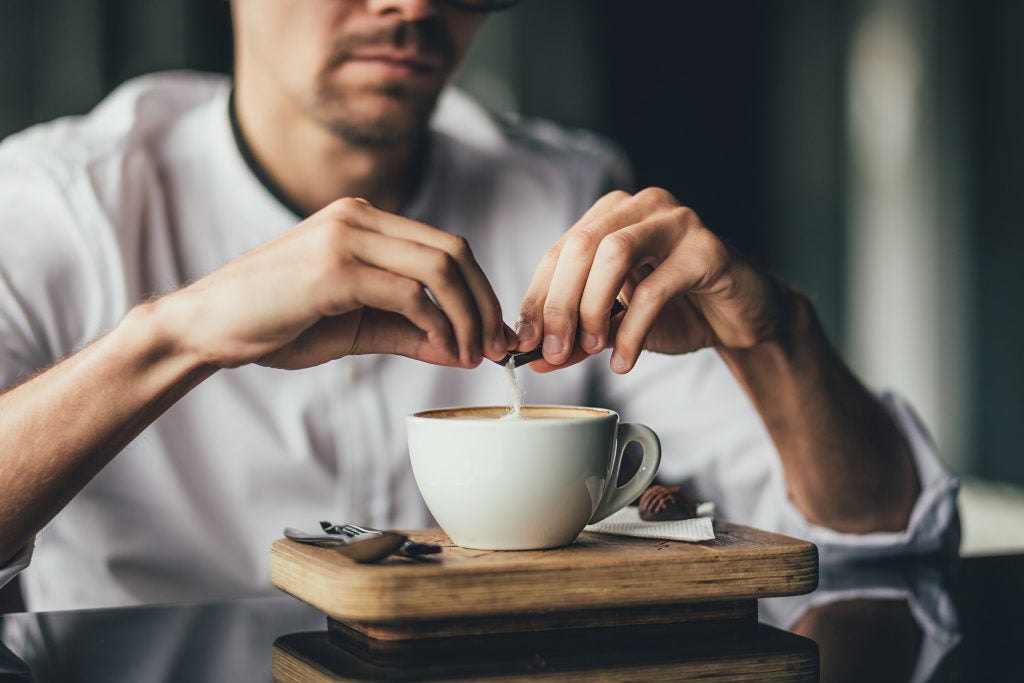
x,y
685,289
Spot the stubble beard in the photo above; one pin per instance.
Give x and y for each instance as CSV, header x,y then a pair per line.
x,y
406,119
383,114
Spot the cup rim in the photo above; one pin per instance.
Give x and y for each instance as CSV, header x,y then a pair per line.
x,y
432,415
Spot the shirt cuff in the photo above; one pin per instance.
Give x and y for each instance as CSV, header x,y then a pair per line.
x,y
17,563
934,522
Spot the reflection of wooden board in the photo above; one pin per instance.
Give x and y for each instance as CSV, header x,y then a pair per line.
x,y
599,580
659,653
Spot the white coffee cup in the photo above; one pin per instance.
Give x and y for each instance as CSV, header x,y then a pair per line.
x,y
526,483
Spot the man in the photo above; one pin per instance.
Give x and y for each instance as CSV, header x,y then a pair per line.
x,y
157,246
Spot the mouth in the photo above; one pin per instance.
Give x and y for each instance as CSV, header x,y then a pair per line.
x,y
399,64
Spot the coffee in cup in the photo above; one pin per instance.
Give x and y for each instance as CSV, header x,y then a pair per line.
x,y
526,483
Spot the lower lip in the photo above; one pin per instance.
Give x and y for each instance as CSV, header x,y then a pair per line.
x,y
394,69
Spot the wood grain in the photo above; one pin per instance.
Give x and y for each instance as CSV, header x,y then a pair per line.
x,y
596,572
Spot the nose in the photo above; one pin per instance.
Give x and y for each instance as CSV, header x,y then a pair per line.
x,y
407,10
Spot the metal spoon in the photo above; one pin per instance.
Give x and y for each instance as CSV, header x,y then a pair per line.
x,y
365,548
407,549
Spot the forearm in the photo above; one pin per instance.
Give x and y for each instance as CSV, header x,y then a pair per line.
x,y
60,428
846,463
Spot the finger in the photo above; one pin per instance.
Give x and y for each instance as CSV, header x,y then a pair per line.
x,y
604,204
382,290
530,323
436,270
578,354
578,252
650,296
387,332
618,254
488,309
492,335
562,301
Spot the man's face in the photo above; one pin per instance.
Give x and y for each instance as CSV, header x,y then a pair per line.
x,y
368,70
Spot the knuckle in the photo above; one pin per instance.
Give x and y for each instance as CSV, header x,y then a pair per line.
x,y
445,266
712,249
648,293
684,215
346,208
658,196
747,339
553,252
580,242
616,196
527,308
555,310
458,248
552,306
335,236
618,247
559,313
528,317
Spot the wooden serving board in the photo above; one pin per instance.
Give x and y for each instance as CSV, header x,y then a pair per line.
x,y
599,580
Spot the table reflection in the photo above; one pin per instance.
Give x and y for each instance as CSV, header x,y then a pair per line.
x,y
877,623
732,652
224,641
891,622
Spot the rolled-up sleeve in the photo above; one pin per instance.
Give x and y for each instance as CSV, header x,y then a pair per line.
x,y
934,522
715,444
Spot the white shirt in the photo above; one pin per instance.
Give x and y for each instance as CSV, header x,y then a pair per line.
x,y
149,191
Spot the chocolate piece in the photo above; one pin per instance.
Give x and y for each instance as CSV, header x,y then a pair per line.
x,y
663,503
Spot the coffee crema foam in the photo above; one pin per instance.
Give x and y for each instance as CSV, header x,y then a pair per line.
x,y
497,413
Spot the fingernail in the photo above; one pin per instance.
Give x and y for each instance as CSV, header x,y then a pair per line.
x,y
589,341
498,344
525,331
552,345
619,363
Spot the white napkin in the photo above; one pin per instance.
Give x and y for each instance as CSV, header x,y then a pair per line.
x,y
627,522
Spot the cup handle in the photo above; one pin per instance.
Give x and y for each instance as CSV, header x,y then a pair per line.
x,y
615,498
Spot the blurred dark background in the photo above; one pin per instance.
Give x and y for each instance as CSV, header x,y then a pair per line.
x,y
869,151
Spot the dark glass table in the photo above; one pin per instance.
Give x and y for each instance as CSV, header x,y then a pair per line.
x,y
886,622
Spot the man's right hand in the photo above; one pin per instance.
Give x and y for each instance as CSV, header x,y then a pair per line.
x,y
351,279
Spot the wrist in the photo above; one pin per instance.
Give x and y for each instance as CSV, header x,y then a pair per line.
x,y
792,327
151,332
795,319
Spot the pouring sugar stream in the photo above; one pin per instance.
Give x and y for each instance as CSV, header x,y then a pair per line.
x,y
515,392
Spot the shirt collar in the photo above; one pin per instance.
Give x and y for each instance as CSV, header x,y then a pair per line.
x,y
457,116
258,172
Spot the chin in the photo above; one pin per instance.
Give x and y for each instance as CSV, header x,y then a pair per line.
x,y
377,118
